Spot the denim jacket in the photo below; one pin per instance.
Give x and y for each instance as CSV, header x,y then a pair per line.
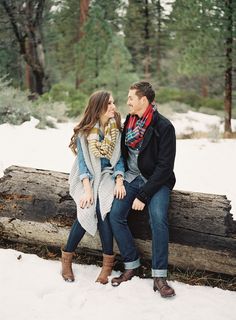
x,y
84,172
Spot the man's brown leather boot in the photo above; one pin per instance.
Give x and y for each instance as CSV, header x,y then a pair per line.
x,y
162,286
125,276
108,261
66,260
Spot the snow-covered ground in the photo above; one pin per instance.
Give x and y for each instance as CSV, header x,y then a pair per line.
x,y
32,288
195,121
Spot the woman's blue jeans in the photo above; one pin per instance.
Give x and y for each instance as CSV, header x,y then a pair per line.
x,y
158,218
77,232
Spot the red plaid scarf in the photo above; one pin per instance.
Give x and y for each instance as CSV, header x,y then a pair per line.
x,y
136,128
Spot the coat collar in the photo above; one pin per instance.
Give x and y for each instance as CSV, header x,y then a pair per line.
x,y
149,131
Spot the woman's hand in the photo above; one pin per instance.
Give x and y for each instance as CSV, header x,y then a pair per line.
x,y
86,200
119,191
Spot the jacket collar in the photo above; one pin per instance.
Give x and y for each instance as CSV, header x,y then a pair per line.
x,y
149,131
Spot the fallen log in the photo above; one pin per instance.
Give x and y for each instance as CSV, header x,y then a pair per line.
x,y
36,208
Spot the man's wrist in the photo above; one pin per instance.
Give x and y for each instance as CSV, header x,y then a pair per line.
x,y
143,197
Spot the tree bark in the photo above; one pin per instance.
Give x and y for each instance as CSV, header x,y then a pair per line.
x,y
158,46
26,19
229,65
147,55
29,80
204,86
83,14
35,207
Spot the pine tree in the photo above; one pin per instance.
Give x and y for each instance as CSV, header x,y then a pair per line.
x,y
229,15
162,42
83,16
10,60
26,20
139,35
117,72
196,40
61,37
204,32
92,47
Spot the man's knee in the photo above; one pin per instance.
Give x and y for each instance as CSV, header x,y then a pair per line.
x,y
115,212
117,215
158,215
158,207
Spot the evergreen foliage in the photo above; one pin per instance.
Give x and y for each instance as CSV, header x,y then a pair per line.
x,y
10,60
73,99
140,35
189,98
14,104
117,71
91,49
203,36
188,52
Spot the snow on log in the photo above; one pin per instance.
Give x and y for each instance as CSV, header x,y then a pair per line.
x,y
35,207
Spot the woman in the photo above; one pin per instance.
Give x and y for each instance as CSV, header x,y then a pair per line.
x,y
96,177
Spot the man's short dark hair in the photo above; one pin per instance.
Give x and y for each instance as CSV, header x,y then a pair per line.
x,y
144,89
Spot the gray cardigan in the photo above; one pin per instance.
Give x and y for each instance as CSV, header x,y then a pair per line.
x,y
102,183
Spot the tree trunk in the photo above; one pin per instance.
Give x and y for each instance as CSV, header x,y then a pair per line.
x,y
83,14
26,23
29,81
39,78
147,55
35,207
96,67
204,86
28,78
229,66
159,15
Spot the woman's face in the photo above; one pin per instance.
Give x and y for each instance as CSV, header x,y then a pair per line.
x,y
111,108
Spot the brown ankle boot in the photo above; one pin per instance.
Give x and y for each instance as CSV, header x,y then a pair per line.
x,y
161,285
108,261
125,276
66,260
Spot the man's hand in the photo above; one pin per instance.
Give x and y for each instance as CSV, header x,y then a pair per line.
x,y
138,205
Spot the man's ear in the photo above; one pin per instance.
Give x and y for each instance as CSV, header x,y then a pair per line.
x,y
144,101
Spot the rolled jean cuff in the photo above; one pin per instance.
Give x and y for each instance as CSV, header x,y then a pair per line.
x,y
159,273
132,265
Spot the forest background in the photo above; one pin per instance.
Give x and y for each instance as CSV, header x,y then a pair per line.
x,y
55,53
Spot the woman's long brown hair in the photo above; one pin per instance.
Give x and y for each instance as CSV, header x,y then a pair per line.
x,y
97,105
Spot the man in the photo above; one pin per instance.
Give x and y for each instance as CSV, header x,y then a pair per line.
x,y
148,147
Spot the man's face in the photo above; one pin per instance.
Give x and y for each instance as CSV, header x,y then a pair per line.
x,y
134,103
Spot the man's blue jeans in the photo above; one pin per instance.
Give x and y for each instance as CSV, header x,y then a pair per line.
x,y
158,211
77,232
